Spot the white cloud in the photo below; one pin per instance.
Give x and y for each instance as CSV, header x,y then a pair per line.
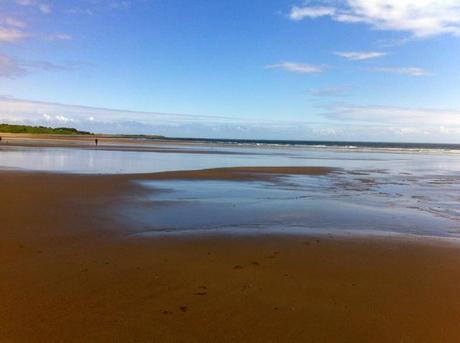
x,y
421,18
449,130
300,68
121,4
345,122
418,117
63,119
327,131
410,71
360,55
299,13
56,120
11,67
37,109
93,7
58,36
124,121
79,11
330,91
10,35
13,22
11,30
43,7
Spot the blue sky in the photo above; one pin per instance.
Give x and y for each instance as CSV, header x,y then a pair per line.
x,y
334,70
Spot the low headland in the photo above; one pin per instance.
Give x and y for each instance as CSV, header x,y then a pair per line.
x,y
28,129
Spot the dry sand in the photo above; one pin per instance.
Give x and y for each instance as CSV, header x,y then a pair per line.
x,y
70,272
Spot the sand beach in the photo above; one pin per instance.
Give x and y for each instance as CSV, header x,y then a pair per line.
x,y
74,270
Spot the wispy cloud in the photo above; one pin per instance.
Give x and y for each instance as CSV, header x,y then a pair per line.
x,y
10,67
10,35
420,18
43,7
50,66
122,4
410,71
58,118
331,91
12,29
394,115
294,67
92,7
108,120
31,108
345,122
58,36
299,13
360,55
12,22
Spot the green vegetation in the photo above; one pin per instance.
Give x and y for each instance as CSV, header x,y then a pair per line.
x,y
7,128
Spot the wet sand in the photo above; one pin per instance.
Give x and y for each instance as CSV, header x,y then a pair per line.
x,y
70,272
115,143
109,143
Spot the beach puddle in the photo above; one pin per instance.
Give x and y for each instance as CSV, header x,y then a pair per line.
x,y
335,203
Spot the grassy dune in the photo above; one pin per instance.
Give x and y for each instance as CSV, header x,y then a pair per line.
x,y
7,128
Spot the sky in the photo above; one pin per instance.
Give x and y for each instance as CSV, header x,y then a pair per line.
x,y
355,70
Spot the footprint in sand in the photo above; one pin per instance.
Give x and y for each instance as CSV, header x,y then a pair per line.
x,y
203,292
183,308
274,254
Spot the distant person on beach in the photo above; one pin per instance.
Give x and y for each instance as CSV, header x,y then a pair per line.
x,y
96,141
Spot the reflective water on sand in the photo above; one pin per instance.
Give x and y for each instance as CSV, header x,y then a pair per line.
x,y
110,159
375,201
391,191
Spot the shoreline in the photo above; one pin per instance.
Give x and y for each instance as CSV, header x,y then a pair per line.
x,y
174,145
